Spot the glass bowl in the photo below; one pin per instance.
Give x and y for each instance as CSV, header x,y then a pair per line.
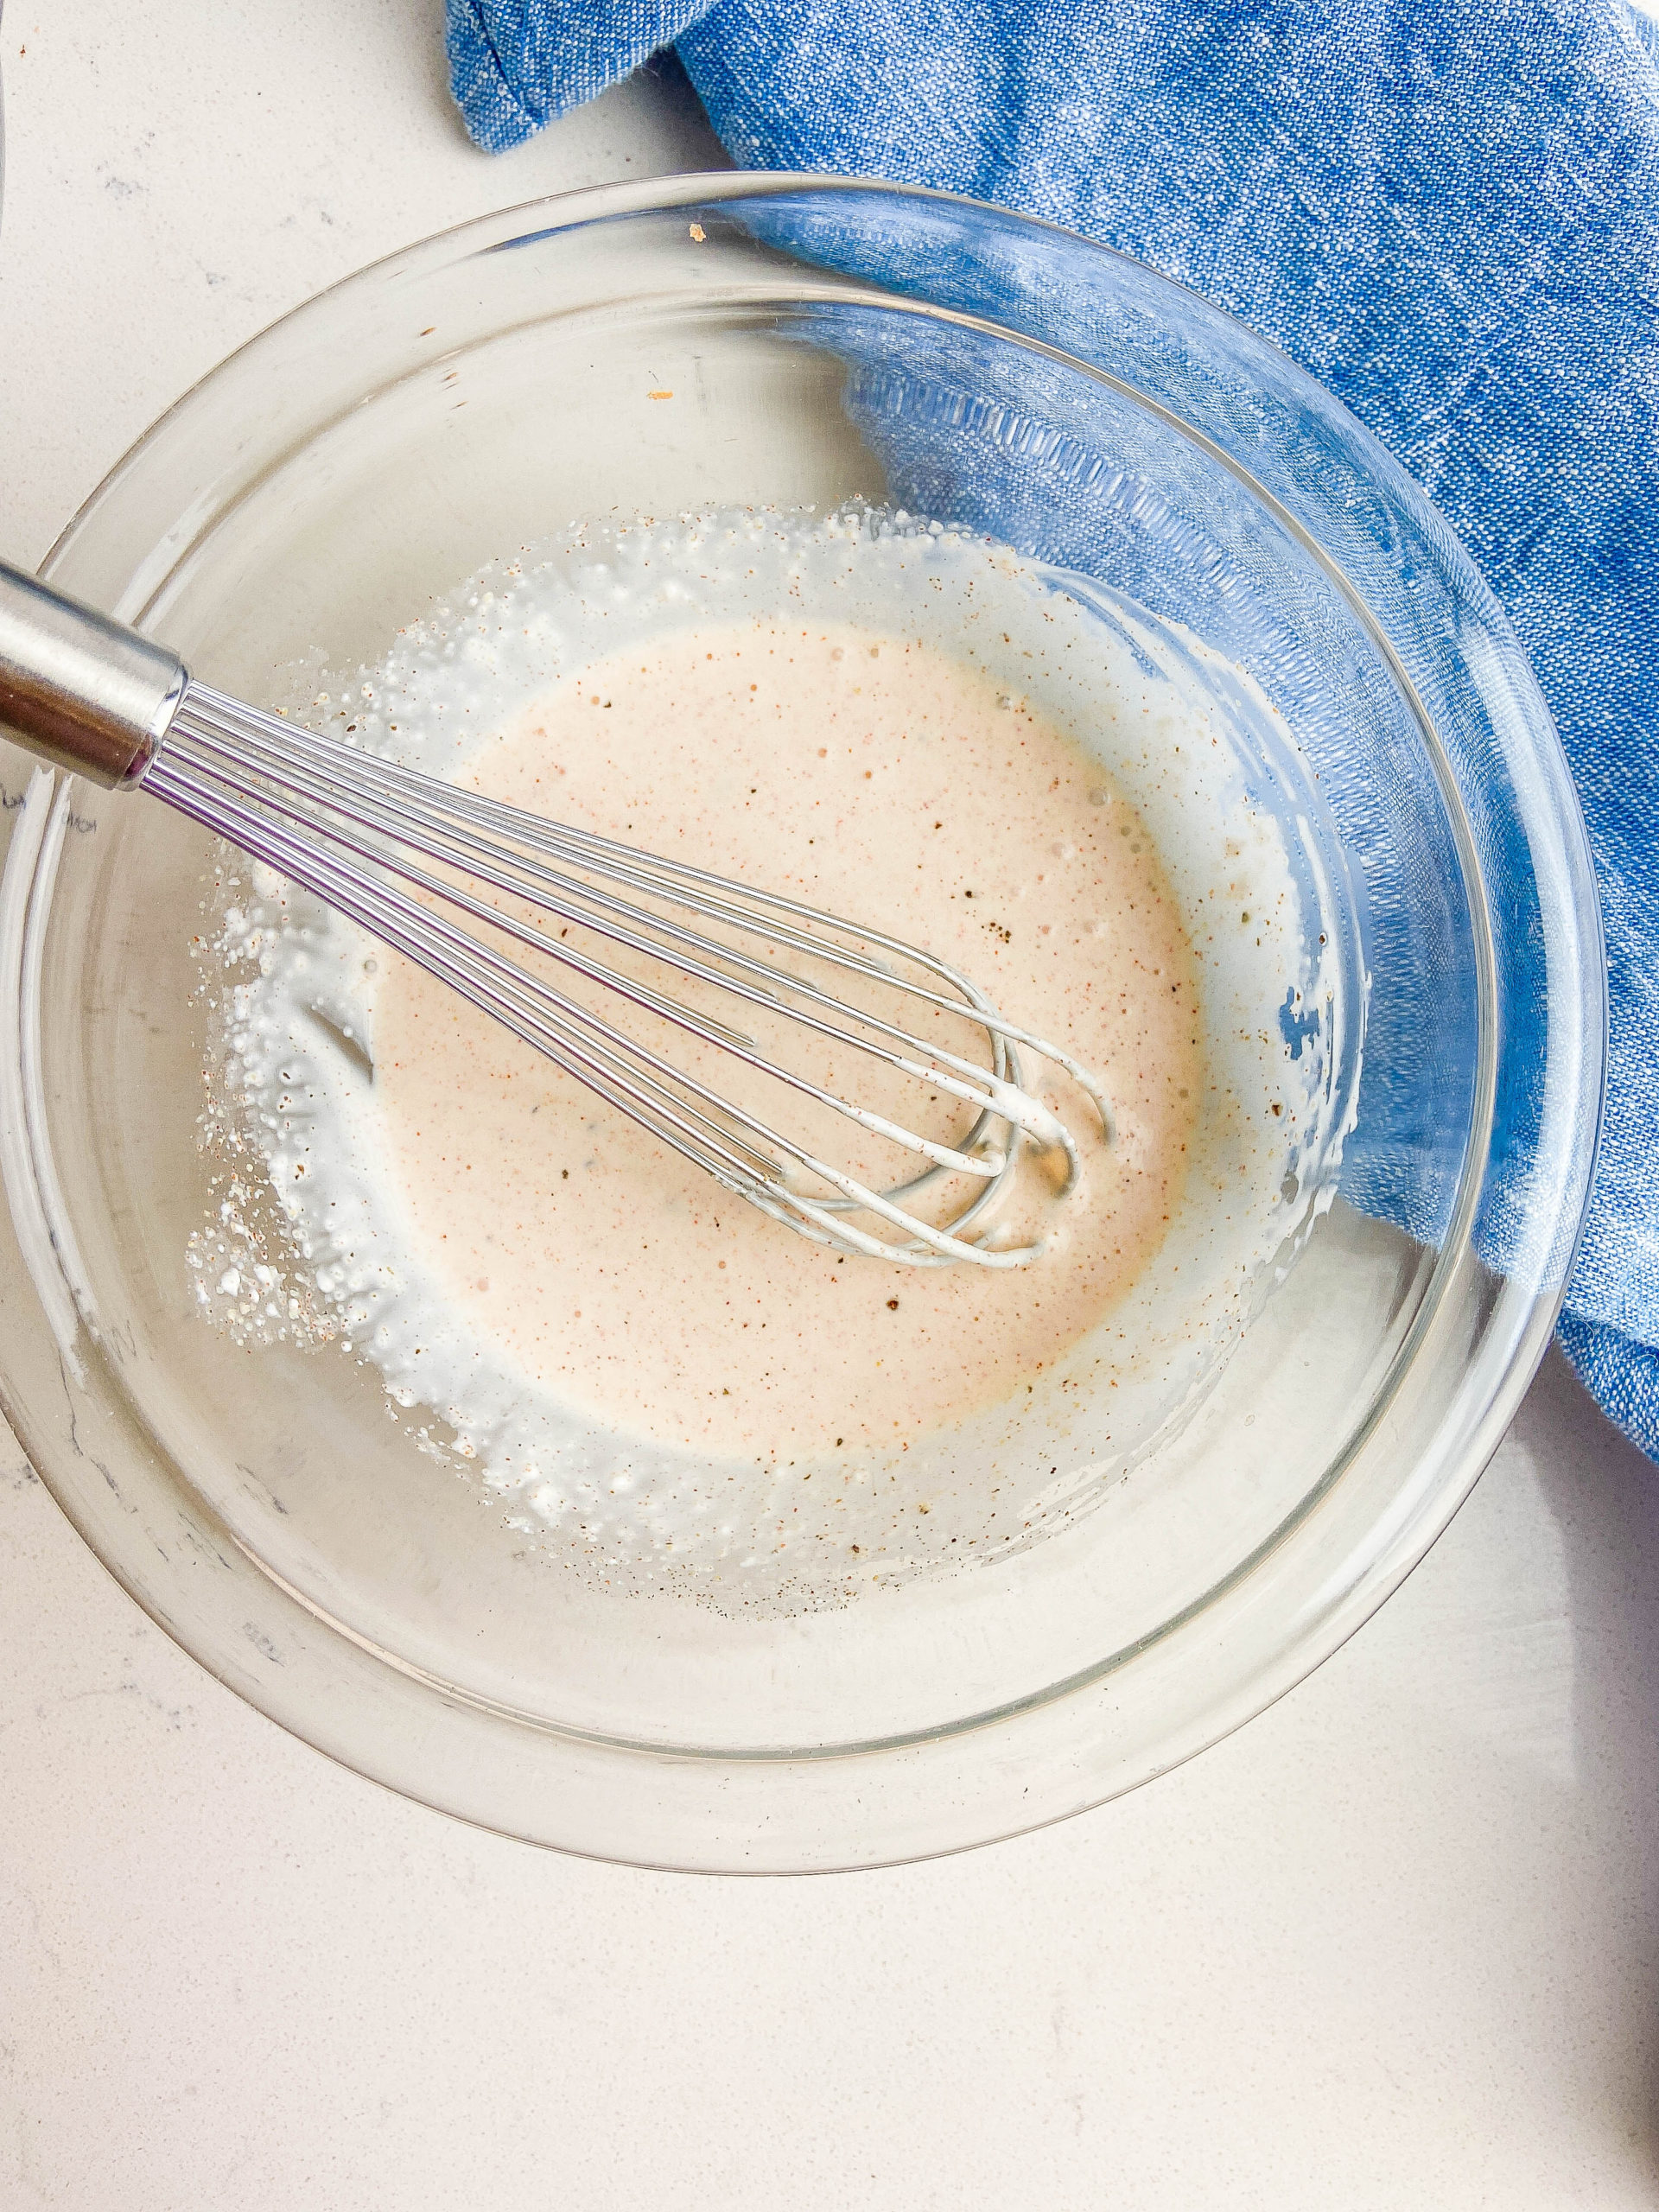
x,y
824,339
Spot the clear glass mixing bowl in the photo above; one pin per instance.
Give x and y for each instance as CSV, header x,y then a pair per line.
x,y
823,339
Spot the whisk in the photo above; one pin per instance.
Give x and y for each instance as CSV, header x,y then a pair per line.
x,y
412,860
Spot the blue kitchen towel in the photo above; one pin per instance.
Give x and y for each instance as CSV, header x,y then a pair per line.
x,y
1447,210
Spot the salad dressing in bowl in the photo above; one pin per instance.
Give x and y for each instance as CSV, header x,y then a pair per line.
x,y
515,1592
883,721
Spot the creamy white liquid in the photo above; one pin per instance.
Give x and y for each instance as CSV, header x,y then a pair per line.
x,y
905,726
625,1280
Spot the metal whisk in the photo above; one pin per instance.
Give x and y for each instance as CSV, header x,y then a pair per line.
x,y
366,835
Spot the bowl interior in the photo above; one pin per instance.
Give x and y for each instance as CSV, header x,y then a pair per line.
x,y
454,408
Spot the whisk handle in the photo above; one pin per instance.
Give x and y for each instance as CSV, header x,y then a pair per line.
x,y
83,692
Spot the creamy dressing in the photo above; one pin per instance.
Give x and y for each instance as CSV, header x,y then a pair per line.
x,y
869,776
903,724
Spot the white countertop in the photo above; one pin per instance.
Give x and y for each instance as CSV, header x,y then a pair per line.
x,y
1394,1945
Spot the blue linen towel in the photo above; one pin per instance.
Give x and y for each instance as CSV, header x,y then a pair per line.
x,y
1447,210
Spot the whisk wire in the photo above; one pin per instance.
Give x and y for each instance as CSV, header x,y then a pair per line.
x,y
352,827
366,835
522,1004
421,824
275,738
544,885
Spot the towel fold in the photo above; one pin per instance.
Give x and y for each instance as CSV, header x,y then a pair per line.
x,y
1447,210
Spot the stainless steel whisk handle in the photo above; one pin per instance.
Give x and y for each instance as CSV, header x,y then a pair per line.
x,y
83,692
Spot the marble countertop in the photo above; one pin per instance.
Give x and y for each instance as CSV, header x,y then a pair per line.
x,y
1393,1944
